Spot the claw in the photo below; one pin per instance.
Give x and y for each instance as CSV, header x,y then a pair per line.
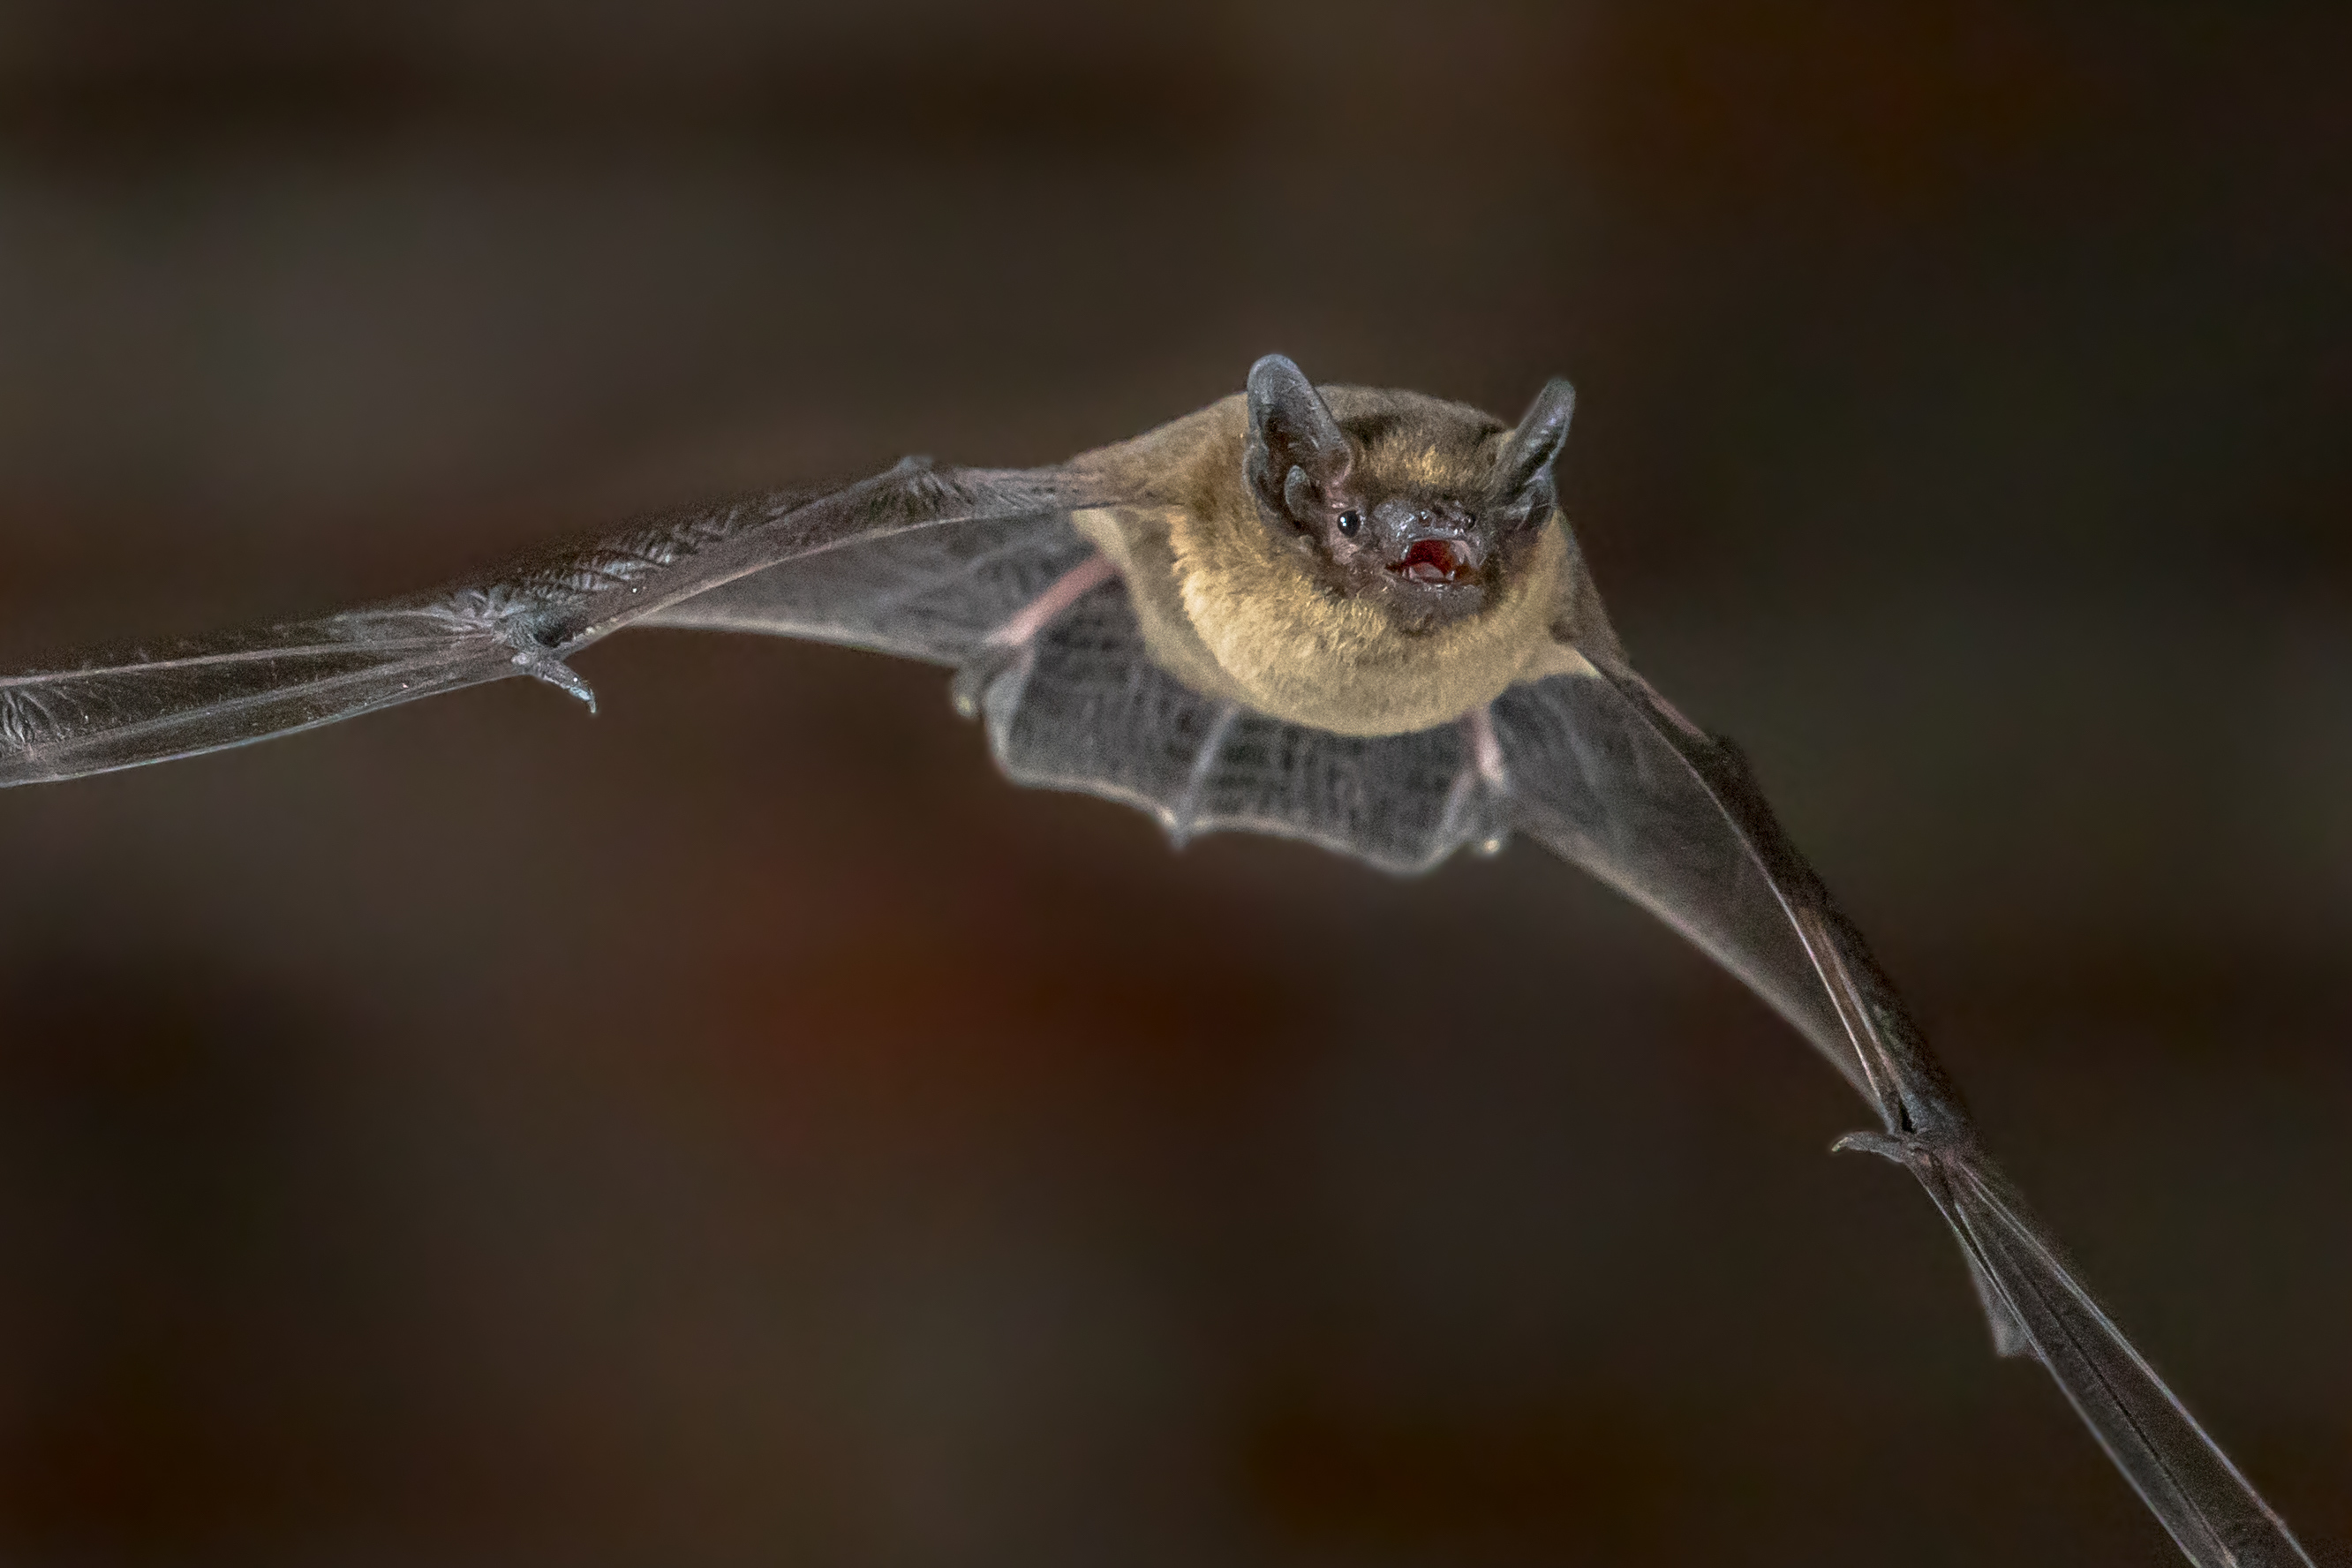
x,y
1901,1148
989,663
1920,1156
540,665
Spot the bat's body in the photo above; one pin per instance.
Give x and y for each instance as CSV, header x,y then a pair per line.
x,y
1351,616
1237,610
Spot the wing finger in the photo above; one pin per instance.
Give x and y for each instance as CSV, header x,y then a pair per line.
x,y
2211,1511
1610,776
146,706
226,691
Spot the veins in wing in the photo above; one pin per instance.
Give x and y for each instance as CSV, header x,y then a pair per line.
x,y
977,565
618,563
535,617
1184,817
1482,785
1013,645
28,719
130,690
1090,710
136,706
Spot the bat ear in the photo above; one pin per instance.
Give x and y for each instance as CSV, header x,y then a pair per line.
x,y
1296,455
1523,474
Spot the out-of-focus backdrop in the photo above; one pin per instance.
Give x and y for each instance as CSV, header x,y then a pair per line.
x,y
741,1129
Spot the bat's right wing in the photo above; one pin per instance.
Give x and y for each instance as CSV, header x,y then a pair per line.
x,y
1602,769
917,561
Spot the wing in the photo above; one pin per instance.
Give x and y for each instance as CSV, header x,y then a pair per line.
x,y
937,564
922,563
1092,712
152,704
933,594
1603,771
1081,706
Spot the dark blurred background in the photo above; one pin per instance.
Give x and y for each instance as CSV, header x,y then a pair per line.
x,y
741,1129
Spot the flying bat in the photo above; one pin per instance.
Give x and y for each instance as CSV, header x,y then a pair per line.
x,y
1347,615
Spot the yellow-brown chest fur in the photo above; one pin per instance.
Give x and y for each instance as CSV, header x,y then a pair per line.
x,y
1301,652
1230,608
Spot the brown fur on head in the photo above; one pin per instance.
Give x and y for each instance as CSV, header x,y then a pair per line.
x,y
1258,589
1423,508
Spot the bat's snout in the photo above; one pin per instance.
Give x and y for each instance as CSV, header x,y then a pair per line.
x,y
1429,542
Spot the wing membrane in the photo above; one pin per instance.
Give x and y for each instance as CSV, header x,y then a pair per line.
x,y
1590,778
1091,711
147,706
2210,1509
932,593
1604,772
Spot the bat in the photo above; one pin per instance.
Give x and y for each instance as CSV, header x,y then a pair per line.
x,y
1347,615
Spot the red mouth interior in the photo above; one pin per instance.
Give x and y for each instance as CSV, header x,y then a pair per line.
x,y
1434,561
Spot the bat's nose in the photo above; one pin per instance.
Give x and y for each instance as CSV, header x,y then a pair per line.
x,y
1400,523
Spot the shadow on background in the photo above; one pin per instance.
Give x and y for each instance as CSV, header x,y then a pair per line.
x,y
742,1129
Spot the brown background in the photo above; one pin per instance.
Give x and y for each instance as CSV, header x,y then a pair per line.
x,y
740,1128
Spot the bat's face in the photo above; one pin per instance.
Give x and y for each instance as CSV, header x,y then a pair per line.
x,y
1429,555
1423,508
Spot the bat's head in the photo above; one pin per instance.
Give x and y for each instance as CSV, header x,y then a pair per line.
x,y
1421,507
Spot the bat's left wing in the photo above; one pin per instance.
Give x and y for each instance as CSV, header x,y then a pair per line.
x,y
910,560
1604,772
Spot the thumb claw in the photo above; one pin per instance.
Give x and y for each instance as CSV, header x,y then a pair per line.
x,y
1885,1145
543,666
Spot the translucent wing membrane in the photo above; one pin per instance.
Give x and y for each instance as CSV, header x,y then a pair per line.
x,y
932,593
1605,772
1091,711
1590,779
144,706
2211,1511
150,705
1088,710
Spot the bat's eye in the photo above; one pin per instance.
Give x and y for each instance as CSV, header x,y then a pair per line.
x,y
1351,523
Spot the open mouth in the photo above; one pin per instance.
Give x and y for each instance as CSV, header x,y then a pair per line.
x,y
1436,561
